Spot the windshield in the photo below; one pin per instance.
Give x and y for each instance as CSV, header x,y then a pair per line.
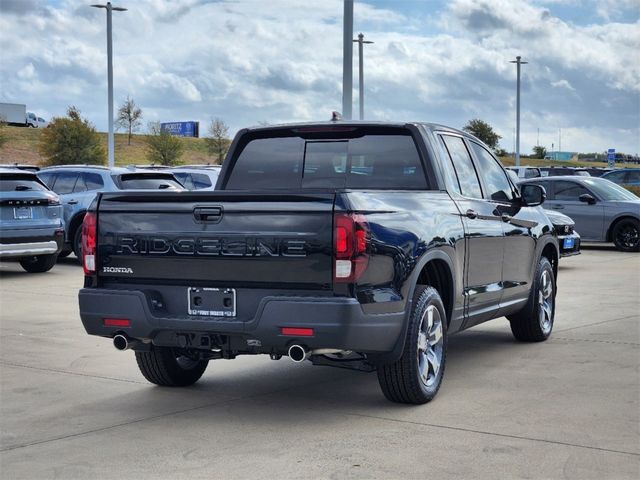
x,y
609,191
20,183
144,181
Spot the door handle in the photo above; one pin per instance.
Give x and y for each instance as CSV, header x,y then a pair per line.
x,y
72,202
506,218
208,214
471,214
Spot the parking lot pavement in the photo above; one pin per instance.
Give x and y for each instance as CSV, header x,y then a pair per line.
x,y
73,407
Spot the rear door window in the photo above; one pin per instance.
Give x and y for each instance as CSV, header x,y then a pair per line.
x,y
367,161
93,181
65,182
463,166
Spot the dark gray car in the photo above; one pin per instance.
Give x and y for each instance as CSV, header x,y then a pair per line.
x,y
602,210
77,186
31,226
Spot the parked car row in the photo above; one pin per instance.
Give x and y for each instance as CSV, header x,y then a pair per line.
x,y
56,199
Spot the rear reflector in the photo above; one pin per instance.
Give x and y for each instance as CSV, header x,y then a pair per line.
x,y
297,332
116,322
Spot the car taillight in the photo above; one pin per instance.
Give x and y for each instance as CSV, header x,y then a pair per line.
x,y
351,234
89,228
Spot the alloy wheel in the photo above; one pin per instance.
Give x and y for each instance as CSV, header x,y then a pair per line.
x,y
430,346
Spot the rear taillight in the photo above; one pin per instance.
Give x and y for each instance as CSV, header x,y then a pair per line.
x,y
89,228
351,236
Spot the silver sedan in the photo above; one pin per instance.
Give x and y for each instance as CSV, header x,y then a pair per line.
x,y
602,210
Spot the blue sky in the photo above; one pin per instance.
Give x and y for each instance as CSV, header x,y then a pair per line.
x,y
250,61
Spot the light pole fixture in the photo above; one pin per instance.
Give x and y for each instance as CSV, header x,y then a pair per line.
x,y
518,62
110,144
361,41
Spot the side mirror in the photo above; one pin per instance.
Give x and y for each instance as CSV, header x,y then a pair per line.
x,y
532,194
587,198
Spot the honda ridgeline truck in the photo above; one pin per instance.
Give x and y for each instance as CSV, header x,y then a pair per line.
x,y
352,244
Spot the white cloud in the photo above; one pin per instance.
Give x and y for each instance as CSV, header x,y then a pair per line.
x,y
247,61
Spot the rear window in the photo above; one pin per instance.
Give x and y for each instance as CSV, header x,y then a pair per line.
x,y
16,183
377,161
143,181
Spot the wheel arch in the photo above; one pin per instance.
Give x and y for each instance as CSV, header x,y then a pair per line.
x,y
551,253
434,266
616,221
74,223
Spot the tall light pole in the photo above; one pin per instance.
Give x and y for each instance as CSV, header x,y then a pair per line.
x,y
110,145
347,61
518,62
361,41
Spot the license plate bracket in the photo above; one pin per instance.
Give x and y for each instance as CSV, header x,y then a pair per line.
x,y
22,213
211,302
568,243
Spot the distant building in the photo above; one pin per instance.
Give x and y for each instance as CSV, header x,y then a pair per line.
x,y
560,156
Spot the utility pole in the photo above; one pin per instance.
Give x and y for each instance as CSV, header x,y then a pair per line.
x,y
361,41
518,62
110,143
347,61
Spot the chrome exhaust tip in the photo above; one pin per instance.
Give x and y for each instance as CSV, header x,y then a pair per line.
x,y
298,353
121,342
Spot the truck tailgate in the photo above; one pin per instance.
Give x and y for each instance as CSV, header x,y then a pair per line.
x,y
216,238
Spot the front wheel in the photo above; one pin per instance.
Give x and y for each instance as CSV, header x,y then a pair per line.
x,y
39,263
626,235
416,377
535,321
169,367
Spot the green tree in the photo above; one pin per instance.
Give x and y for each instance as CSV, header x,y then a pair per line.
x,y
483,131
218,141
162,147
71,140
129,116
539,151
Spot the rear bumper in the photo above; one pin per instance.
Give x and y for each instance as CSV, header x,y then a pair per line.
x,y
338,323
27,242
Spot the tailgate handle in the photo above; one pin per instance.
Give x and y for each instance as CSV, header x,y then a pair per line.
x,y
208,214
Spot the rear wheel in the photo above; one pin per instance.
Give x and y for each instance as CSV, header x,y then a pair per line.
x,y
64,254
416,377
535,321
626,235
169,367
39,263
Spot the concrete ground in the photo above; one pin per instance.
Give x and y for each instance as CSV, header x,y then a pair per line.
x,y
73,407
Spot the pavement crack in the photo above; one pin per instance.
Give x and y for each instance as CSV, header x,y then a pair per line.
x,y
611,342
596,323
66,372
496,434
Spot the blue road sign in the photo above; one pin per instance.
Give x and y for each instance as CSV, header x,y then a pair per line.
x,y
611,157
181,129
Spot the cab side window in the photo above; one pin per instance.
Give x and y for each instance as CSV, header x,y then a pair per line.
x,y
495,178
463,166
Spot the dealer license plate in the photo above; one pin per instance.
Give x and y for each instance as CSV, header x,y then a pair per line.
x,y
569,243
212,302
22,213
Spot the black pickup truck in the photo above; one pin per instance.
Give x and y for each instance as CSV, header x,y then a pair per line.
x,y
351,244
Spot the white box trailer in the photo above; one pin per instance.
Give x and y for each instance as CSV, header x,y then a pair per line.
x,y
16,114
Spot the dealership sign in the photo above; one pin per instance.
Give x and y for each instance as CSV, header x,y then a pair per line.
x,y
181,129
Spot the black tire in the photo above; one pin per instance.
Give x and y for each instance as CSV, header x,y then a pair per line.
x,y
534,322
404,381
64,253
77,243
626,235
39,263
167,367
